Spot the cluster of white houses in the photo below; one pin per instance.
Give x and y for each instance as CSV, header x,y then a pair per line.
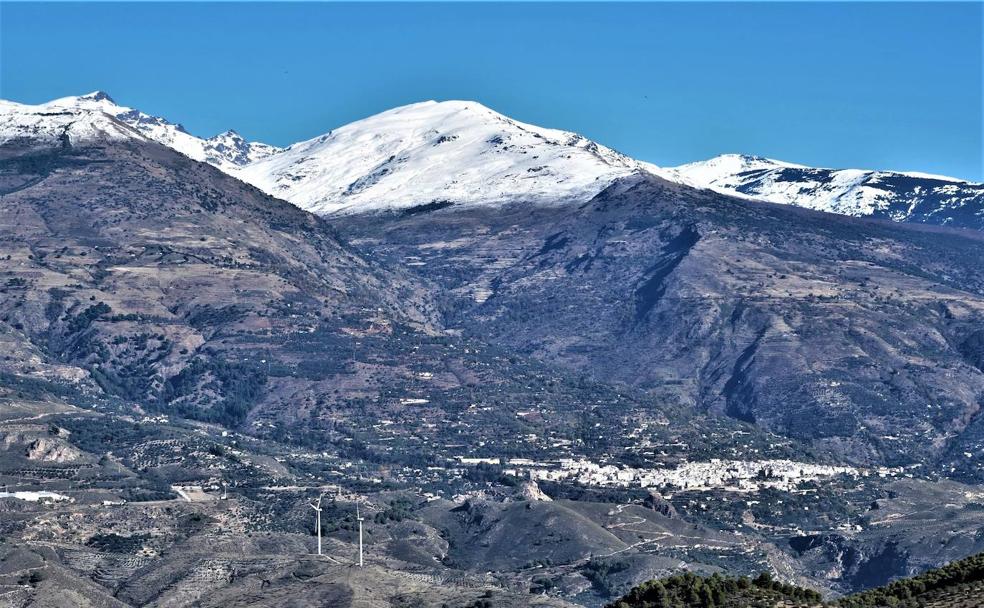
x,y
734,475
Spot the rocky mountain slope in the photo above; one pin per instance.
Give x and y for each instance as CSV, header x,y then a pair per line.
x,y
140,286
139,278
135,272
770,315
857,336
900,197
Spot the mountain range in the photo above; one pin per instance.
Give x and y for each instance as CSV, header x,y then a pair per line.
x,y
448,325
597,264
461,152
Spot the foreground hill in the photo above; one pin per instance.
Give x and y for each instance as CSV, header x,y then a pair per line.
x,y
139,519
957,585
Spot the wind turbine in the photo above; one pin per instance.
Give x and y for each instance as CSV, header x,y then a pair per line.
x,y
317,507
358,517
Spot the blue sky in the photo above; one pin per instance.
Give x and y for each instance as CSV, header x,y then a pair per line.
x,y
869,85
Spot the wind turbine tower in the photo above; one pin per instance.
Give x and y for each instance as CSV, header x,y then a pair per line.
x,y
317,507
358,516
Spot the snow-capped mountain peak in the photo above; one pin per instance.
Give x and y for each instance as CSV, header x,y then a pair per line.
x,y
227,151
899,196
437,152
723,169
46,125
740,162
231,147
97,96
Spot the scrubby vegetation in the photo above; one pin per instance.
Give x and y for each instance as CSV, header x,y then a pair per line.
x,y
963,576
114,543
959,584
224,390
599,571
692,591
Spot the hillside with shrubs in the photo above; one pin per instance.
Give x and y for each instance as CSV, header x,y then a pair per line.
x,y
959,584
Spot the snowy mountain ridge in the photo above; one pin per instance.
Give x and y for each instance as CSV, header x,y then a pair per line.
x,y
227,151
433,154
895,195
43,125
